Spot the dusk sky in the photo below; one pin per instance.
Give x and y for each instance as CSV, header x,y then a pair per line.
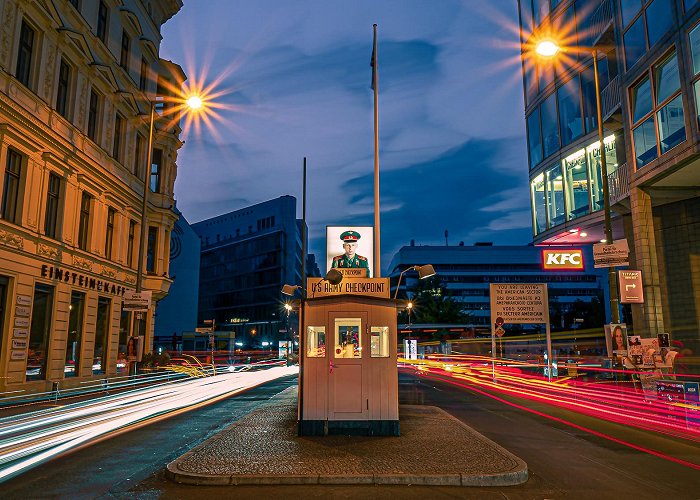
x,y
297,81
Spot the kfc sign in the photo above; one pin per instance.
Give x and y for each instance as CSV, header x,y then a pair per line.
x,y
571,259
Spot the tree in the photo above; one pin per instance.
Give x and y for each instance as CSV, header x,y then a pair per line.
x,y
434,304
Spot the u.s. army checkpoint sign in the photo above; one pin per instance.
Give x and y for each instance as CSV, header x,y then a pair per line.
x,y
519,302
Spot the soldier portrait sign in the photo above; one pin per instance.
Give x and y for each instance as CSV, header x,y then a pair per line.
x,y
350,250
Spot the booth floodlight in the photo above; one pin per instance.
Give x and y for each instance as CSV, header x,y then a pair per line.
x,y
425,271
290,289
334,277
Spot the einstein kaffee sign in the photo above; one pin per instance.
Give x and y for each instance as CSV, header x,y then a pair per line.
x,y
365,287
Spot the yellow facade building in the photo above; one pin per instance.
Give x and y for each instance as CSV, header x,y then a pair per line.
x,y
77,78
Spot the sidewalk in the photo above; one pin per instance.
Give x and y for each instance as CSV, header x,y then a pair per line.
x,y
263,448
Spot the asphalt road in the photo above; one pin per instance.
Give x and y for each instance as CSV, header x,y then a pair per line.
x,y
564,462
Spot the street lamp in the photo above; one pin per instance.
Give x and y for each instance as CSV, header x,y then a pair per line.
x,y
548,48
193,103
425,271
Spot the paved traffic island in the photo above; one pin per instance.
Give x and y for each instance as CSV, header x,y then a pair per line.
x,y
263,448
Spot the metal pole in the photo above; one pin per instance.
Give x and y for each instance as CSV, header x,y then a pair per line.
x,y
144,223
302,333
377,232
548,333
612,275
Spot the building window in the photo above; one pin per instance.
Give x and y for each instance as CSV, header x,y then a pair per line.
x,y
550,127
93,114
379,342
139,151
156,166
109,233
694,37
151,255
75,3
102,18
63,88
143,77
118,132
75,334
126,47
130,244
24,56
534,138
40,332
315,341
10,194
647,21
53,197
84,227
657,112
570,115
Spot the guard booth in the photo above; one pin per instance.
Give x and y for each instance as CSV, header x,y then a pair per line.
x,y
349,377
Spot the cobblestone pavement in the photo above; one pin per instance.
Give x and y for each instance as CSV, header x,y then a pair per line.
x,y
263,448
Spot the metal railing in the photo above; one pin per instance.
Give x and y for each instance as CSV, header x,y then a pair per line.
x,y
619,183
601,19
611,97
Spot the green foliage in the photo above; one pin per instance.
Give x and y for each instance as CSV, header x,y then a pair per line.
x,y
152,359
434,304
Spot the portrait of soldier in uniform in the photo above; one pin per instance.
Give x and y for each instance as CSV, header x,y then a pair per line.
x,y
350,259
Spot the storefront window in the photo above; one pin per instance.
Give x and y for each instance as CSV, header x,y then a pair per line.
x,y
379,342
555,196
595,170
75,333
538,204
576,185
316,342
101,356
39,332
348,338
124,329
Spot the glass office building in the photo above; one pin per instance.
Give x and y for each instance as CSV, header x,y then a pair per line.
x,y
649,69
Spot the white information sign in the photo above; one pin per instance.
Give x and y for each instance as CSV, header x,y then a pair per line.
x,y
139,302
614,255
24,300
519,303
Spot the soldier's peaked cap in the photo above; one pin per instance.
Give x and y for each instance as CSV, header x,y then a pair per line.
x,y
350,236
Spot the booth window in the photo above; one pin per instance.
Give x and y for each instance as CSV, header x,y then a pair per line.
x,y
348,340
316,342
379,342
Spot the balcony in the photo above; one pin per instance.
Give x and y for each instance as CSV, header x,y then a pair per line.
x,y
601,32
619,184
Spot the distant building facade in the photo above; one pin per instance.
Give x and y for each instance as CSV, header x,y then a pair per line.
x,y
177,312
77,80
246,257
467,271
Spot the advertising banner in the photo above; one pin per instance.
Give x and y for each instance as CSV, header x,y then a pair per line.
x,y
350,250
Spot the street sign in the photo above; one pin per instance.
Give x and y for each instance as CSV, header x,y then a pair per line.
x,y
614,255
631,289
207,329
499,321
138,302
500,331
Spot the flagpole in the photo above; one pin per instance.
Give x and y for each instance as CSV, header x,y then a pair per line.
x,y
377,232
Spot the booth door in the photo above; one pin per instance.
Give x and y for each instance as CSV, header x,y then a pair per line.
x,y
347,394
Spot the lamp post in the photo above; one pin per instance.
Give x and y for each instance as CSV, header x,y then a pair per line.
x,y
425,271
194,103
548,48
